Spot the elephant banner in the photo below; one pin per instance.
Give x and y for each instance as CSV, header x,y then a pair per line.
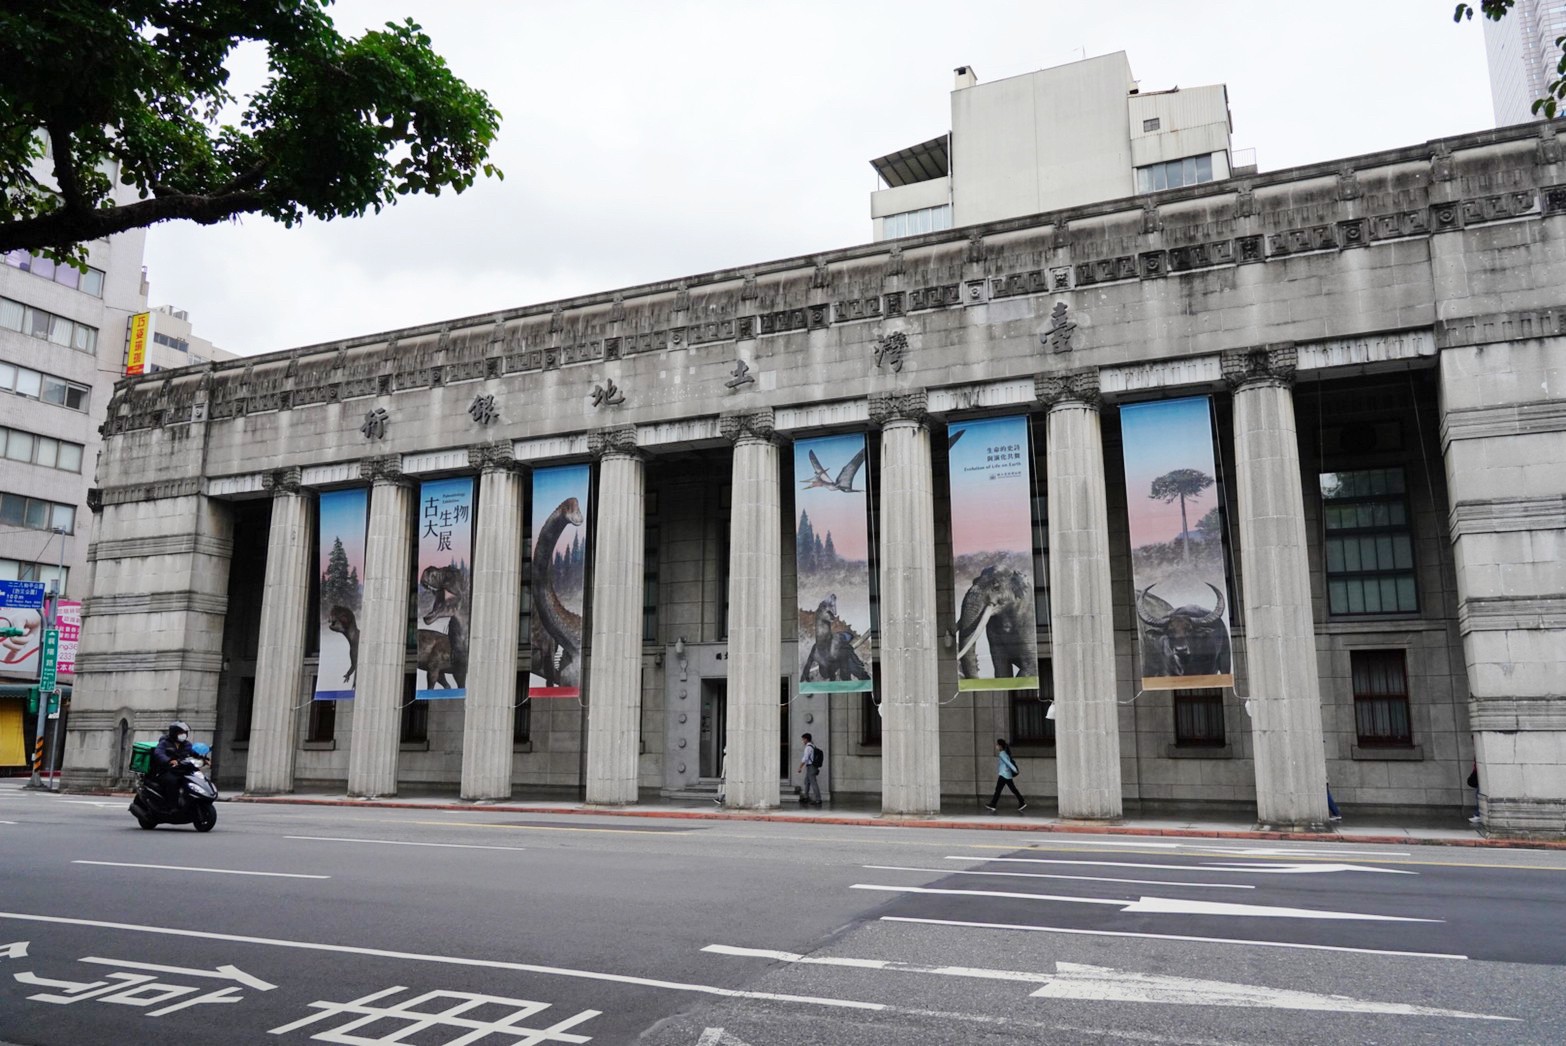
x,y
444,589
558,580
1178,573
832,560
992,554
340,573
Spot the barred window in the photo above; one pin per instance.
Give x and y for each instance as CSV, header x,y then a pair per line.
x,y
522,725
415,714
1030,722
1381,698
1369,543
1198,716
323,721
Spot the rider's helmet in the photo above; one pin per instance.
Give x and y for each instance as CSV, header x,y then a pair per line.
x,y
179,730
201,749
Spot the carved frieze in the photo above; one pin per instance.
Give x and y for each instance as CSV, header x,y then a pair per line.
x,y
489,457
905,405
1263,365
1080,387
281,481
756,424
617,441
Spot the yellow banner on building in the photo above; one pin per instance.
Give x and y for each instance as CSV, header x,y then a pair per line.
x,y
136,352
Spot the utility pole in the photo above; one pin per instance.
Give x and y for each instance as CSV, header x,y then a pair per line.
x,y
48,652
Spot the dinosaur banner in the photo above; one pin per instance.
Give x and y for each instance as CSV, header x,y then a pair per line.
x,y
992,554
1177,559
558,579
444,589
340,573
832,561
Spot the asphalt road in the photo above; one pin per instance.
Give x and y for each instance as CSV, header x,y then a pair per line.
x,y
343,925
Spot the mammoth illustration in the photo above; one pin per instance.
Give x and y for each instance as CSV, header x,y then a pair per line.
x,y
1000,604
1182,641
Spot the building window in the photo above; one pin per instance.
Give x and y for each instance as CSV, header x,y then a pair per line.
x,y
870,710
912,223
22,570
88,282
1369,543
415,714
245,709
1193,170
650,579
522,724
1030,722
1150,124
46,387
177,344
1381,698
36,513
46,325
47,451
1199,718
323,721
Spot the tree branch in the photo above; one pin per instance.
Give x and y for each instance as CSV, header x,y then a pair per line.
x,y
68,226
65,173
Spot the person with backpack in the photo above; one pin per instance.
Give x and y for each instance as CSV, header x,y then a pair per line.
x,y
1005,776
811,760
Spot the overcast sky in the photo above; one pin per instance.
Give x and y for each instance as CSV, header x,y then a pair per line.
x,y
650,140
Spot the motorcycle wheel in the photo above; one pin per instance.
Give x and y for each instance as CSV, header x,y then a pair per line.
x,y
146,822
205,817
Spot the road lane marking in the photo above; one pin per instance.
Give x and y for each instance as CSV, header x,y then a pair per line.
x,y
1158,905
1078,932
214,871
222,973
1097,983
1226,868
558,828
1304,869
453,960
1046,875
399,842
89,802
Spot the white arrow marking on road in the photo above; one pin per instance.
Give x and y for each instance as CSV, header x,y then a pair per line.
x,y
1099,984
1305,869
1046,875
7,822
401,842
222,973
1185,867
89,802
1158,905
214,871
1075,981
719,1037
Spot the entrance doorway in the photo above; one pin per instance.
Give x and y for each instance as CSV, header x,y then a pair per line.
x,y
714,726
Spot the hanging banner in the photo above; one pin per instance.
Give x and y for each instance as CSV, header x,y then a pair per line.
x,y
832,563
558,580
68,618
342,518
992,554
1177,562
444,591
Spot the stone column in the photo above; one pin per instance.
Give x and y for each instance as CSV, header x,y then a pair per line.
x,y
755,613
383,631
910,698
285,605
1280,634
489,717
1087,719
614,692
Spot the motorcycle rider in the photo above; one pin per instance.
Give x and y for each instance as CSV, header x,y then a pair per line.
x,y
167,763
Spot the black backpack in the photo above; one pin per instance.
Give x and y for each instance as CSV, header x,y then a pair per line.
x,y
818,759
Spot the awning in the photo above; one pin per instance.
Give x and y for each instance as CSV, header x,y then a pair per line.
x,y
918,163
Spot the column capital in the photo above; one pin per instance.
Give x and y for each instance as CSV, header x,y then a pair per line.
x,y
1074,387
498,456
617,441
1264,365
384,468
748,425
910,405
281,481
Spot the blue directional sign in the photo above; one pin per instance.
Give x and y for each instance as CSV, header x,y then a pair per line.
x,y
21,595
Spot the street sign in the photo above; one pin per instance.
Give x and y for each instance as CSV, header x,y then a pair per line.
x,y
47,677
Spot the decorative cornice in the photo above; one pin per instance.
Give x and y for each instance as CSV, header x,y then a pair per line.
x,y
1490,327
154,603
281,481
1264,365
908,405
163,545
499,456
384,468
1079,388
618,441
748,425
1506,419
1511,713
135,492
1508,515
149,661
1512,613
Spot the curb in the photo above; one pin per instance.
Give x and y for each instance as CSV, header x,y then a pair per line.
x,y
1063,827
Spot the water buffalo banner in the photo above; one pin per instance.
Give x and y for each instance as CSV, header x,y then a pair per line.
x,y
342,518
558,579
1177,561
444,589
992,554
832,558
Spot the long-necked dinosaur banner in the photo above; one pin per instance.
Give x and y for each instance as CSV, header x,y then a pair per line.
x,y
444,588
1177,561
340,573
558,579
992,554
832,562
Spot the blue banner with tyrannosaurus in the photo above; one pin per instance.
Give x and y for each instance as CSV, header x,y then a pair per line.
x,y
832,563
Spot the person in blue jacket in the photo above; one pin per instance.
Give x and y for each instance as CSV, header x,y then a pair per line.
x,y
1005,776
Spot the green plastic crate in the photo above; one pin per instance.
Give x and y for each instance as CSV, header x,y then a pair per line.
x,y
141,756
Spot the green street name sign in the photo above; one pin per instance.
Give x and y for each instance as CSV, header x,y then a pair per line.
x,y
51,658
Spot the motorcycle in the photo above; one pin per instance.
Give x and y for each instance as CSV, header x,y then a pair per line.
x,y
193,803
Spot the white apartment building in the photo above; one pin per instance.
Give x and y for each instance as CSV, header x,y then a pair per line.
x,y
1063,137
1522,55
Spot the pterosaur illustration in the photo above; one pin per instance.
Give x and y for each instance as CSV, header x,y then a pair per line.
x,y
845,476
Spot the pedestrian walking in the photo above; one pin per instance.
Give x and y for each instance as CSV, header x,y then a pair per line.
x,y
1473,782
1005,776
810,760
723,777
1333,813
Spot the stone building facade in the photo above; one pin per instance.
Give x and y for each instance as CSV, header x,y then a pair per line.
x,y
1395,322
